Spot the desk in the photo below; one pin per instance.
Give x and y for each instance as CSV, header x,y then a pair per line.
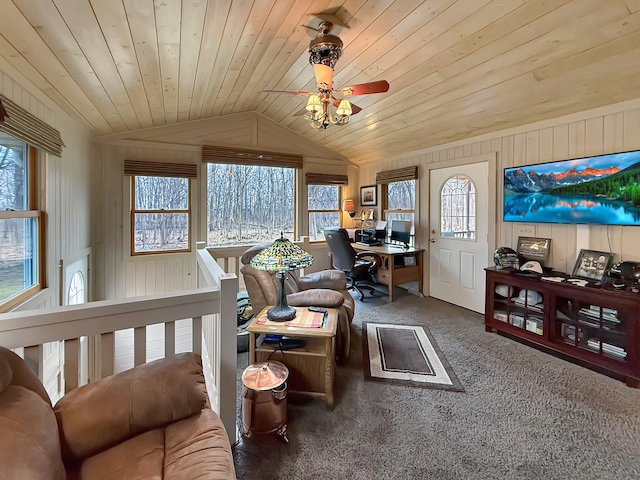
x,y
395,268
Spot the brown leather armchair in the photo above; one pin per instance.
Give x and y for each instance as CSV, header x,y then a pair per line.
x,y
321,289
152,421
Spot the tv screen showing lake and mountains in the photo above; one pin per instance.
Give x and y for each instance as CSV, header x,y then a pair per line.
x,y
594,190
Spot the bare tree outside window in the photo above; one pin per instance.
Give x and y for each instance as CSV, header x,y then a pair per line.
x,y
249,204
401,201
18,227
401,195
160,214
458,208
323,202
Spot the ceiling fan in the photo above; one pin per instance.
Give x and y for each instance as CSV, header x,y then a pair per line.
x,y
324,51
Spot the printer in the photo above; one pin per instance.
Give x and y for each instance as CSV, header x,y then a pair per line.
x,y
370,236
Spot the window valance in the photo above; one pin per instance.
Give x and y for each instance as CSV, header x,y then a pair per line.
x,y
243,156
160,169
326,179
397,175
20,124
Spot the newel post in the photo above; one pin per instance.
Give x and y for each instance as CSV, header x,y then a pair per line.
x,y
228,353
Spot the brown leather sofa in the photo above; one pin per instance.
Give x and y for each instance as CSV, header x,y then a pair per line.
x,y
152,421
321,289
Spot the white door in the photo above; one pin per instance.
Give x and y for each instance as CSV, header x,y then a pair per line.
x,y
458,234
76,292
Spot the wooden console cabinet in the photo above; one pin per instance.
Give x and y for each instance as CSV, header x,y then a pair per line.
x,y
594,326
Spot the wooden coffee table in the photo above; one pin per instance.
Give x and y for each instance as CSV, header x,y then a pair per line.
x,y
312,367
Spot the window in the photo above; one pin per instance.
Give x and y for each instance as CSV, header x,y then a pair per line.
x,y
324,209
20,231
458,208
161,213
249,203
75,295
399,199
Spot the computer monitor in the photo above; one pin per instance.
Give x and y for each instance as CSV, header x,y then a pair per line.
x,y
401,231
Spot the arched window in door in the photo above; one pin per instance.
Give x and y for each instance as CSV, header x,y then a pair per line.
x,y
75,295
458,208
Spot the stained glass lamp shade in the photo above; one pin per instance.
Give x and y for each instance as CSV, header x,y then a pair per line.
x,y
280,257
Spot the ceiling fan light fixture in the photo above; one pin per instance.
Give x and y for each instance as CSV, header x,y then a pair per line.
x,y
313,104
324,51
344,108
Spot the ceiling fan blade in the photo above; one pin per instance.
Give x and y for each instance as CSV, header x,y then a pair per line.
x,y
288,92
380,86
324,76
354,108
300,112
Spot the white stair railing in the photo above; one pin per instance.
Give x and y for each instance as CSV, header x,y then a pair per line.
x,y
211,309
219,336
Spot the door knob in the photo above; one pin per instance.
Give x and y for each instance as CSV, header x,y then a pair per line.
x,y
433,240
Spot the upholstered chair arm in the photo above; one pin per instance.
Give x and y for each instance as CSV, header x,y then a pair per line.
x,y
331,279
100,415
317,297
371,256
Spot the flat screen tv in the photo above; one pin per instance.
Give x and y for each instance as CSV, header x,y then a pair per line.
x,y
604,190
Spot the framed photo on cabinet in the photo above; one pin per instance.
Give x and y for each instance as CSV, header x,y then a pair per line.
x,y
532,248
592,264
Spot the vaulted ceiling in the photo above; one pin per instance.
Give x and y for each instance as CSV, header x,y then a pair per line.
x,y
456,68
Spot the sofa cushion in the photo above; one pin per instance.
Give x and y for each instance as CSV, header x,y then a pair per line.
x,y
197,447
29,443
14,371
137,458
319,297
100,415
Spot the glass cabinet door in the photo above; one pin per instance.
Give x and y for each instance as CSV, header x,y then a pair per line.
x,y
520,307
600,329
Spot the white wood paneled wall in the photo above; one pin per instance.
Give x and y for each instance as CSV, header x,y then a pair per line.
x,y
610,129
67,203
118,275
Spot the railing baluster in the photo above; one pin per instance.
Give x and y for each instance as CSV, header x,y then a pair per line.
x,y
196,335
107,350
71,364
34,357
139,345
169,338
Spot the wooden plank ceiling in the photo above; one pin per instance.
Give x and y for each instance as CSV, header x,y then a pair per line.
x,y
456,68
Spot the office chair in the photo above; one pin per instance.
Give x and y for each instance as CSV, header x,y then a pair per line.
x,y
359,267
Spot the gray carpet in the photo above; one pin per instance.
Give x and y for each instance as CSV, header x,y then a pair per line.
x,y
525,415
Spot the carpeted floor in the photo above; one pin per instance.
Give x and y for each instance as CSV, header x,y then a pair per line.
x,y
524,415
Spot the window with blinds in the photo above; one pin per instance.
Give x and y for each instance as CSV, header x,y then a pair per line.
x,y
160,206
398,194
249,203
21,224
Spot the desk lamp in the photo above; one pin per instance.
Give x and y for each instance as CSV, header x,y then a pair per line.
x,y
349,206
280,257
